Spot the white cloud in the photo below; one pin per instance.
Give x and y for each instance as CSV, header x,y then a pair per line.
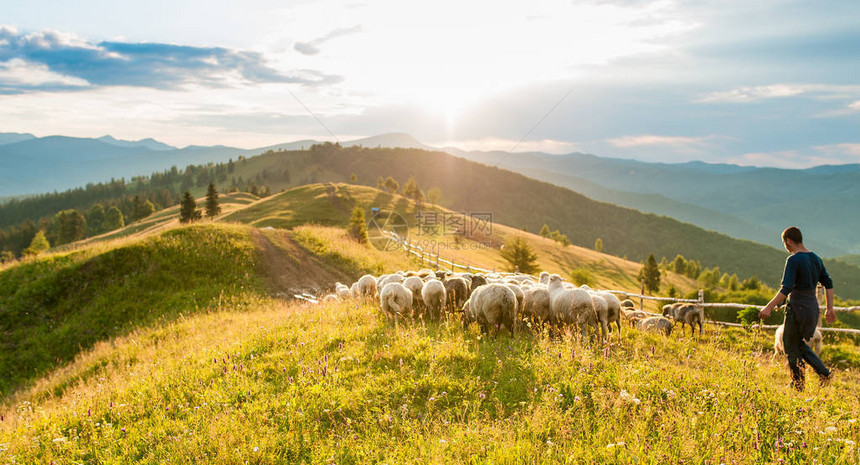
x,y
671,141
850,152
758,93
17,73
793,159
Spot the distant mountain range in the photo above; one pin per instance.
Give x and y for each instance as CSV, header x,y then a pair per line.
x,y
745,202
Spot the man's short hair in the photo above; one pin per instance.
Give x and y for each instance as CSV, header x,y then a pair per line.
x,y
793,233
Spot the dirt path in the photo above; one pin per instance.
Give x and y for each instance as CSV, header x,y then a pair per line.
x,y
289,269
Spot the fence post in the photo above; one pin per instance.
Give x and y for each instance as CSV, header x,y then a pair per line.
x,y
642,292
452,264
701,297
437,259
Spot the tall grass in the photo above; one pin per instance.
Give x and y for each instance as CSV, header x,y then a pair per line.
x,y
54,307
337,383
335,247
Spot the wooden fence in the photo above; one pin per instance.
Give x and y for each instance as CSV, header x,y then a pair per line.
x,y
431,258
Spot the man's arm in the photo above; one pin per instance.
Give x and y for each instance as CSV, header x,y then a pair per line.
x,y
776,301
829,313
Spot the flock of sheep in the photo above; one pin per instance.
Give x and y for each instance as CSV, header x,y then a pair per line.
x,y
496,302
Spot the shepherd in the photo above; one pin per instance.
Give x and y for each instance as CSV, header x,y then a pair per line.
x,y
803,271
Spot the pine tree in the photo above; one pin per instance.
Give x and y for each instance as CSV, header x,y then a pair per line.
x,y
380,183
213,208
598,245
38,245
358,225
188,211
650,274
353,178
544,230
519,256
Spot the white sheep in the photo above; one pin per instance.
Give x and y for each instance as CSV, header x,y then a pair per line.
x,y
389,278
686,314
543,278
601,309
613,312
816,343
367,287
329,298
414,284
341,290
569,306
492,305
456,292
353,290
633,316
627,303
396,300
655,324
433,295
517,292
536,304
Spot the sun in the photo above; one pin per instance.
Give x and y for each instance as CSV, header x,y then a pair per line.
x,y
448,102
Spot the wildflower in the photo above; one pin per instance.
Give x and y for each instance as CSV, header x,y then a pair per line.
x,y
549,443
256,449
481,395
89,412
629,397
432,399
442,441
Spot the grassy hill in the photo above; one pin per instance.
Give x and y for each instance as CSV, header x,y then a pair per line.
x,y
172,343
331,205
525,203
337,383
522,202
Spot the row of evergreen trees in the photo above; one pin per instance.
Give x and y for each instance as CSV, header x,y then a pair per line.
x,y
410,189
188,211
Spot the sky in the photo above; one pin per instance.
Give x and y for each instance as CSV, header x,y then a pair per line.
x,y
764,83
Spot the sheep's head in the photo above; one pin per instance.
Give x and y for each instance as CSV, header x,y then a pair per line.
x,y
555,279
